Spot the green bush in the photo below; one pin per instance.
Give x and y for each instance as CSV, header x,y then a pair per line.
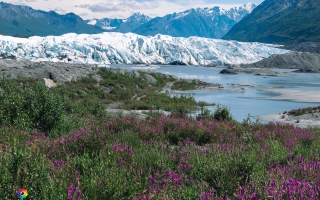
x,y
29,107
222,113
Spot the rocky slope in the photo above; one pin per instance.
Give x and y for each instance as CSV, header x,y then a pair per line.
x,y
59,72
280,21
304,47
304,61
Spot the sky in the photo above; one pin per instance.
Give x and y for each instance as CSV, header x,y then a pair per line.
x,y
89,9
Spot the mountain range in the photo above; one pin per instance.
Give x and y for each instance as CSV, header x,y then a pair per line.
x,y
273,21
17,20
202,22
280,21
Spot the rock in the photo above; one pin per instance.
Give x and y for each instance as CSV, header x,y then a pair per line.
x,y
177,62
228,71
136,73
150,79
139,98
256,71
119,113
96,77
307,71
49,83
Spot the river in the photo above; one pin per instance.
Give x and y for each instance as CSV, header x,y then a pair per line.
x,y
253,100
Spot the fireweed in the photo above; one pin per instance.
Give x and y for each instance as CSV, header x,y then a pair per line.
x,y
163,158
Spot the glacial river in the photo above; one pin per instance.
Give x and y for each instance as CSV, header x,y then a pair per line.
x,y
253,100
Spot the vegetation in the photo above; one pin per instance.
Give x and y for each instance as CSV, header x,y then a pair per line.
x,y
188,84
89,155
28,104
138,94
302,111
174,157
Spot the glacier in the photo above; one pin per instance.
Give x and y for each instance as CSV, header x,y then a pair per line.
x,y
118,48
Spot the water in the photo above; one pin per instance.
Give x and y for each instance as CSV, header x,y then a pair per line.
x,y
252,100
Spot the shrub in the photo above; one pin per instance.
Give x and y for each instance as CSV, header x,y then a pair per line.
x,y
204,114
222,113
29,107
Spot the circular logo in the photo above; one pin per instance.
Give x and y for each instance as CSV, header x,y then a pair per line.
x,y
22,193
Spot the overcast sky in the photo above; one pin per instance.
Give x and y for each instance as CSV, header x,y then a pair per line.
x,y
89,9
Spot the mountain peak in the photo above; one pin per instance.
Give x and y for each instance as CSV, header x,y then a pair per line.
x,y
140,17
249,6
138,14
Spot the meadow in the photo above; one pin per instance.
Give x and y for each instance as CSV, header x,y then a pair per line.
x,y
59,143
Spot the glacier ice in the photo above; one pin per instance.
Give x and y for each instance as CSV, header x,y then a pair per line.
x,y
116,48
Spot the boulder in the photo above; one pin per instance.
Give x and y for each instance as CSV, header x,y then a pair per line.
x,y
136,73
49,83
150,79
228,71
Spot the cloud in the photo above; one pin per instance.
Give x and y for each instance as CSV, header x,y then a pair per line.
x,y
83,14
60,10
119,6
124,8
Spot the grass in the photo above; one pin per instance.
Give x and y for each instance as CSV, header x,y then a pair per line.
x,y
90,155
188,84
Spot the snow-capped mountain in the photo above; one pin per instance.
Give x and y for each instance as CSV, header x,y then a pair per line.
x,y
121,25
129,48
202,22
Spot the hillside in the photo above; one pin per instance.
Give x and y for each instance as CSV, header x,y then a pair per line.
x,y
16,20
304,61
280,21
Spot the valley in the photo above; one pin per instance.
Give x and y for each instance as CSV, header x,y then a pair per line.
x,y
148,100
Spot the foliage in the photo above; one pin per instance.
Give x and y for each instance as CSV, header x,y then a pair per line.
x,y
163,157
29,107
222,113
302,111
188,84
89,155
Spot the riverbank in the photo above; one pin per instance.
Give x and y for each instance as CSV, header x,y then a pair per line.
x,y
305,120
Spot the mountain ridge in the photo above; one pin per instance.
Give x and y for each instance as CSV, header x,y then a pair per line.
x,y
25,21
279,21
120,25
202,22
